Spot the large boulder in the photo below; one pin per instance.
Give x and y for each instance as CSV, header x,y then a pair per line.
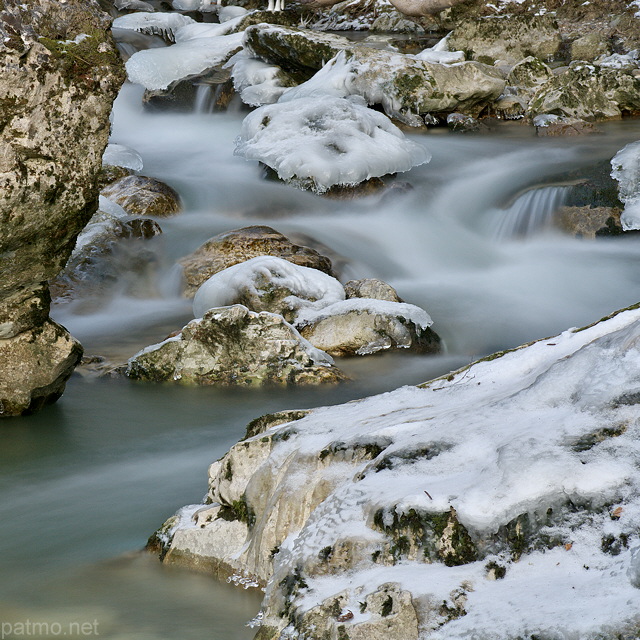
x,y
587,91
232,346
431,511
60,73
507,39
404,85
231,247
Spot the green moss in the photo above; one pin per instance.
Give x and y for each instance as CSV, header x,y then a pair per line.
x,y
387,607
325,554
79,59
228,471
342,633
498,570
237,510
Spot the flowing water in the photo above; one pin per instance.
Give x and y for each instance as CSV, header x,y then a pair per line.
x,y
84,483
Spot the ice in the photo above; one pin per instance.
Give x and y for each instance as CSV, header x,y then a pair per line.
x,y
119,155
409,312
230,12
626,170
325,142
440,57
162,24
194,5
309,287
257,82
193,54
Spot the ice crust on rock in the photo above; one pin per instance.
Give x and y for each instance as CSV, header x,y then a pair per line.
x,y
257,82
119,155
161,24
198,47
309,287
327,142
626,170
552,425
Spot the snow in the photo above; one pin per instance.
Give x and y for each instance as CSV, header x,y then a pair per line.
x,y
194,5
507,435
309,287
119,155
163,24
626,170
619,61
410,312
333,141
198,48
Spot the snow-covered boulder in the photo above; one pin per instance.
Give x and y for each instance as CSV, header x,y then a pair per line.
x,y
232,247
587,91
234,346
318,144
507,39
267,283
626,170
404,85
143,196
500,501
361,326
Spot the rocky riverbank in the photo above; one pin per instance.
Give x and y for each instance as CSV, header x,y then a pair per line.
x,y
60,75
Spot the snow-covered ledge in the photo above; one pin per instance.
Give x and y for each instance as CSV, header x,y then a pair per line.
x,y
501,501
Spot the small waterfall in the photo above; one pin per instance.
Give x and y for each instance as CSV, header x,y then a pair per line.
x,y
529,213
204,99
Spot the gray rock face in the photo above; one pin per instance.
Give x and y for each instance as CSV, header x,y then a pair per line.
x,y
232,247
55,100
586,91
234,346
403,85
142,196
506,38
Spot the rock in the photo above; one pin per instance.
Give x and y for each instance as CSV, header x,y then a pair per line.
x,y
462,123
142,196
529,73
37,364
590,47
362,326
418,8
56,93
231,247
395,22
359,15
271,284
585,91
371,288
107,252
567,127
233,346
508,39
589,222
403,85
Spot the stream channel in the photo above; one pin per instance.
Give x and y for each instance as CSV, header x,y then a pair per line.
x,y
85,482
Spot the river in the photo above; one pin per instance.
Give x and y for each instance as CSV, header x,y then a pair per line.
x,y
85,482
